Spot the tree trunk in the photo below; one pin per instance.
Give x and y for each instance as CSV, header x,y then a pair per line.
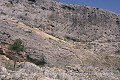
x,y
14,61
14,64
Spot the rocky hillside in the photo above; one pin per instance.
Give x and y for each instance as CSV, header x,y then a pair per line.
x,y
29,71
68,36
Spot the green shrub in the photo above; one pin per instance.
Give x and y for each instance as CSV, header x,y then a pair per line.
x,y
117,52
118,69
17,46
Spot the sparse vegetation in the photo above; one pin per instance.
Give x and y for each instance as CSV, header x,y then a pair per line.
x,y
65,7
9,65
43,8
97,8
117,52
117,22
118,69
40,62
52,8
67,38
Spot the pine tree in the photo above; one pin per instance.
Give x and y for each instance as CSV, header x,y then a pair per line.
x,y
16,47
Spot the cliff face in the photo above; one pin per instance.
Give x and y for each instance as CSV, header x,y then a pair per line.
x,y
67,35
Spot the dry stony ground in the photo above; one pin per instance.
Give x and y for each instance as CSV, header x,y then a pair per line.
x,y
29,71
78,42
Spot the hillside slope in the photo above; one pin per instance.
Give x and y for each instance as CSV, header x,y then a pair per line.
x,y
69,36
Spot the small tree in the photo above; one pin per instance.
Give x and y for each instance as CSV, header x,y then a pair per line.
x,y
17,46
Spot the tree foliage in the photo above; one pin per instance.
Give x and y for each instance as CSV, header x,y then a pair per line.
x,y
17,46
